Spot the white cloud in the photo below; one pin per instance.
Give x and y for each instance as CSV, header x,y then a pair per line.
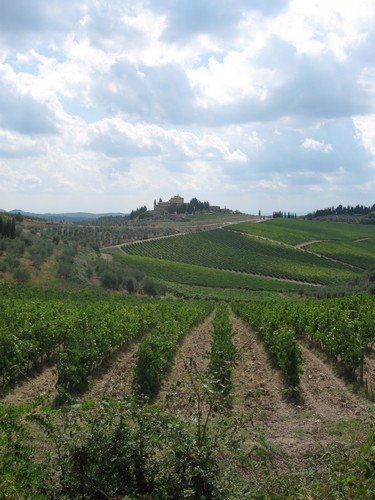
x,y
118,138
270,185
102,102
322,26
365,126
313,145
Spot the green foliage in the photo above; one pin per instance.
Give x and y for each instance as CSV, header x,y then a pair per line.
x,y
223,353
95,334
220,294
22,275
156,351
8,227
230,250
39,251
12,262
288,354
189,274
65,261
357,253
152,287
295,231
16,248
114,276
340,327
80,332
20,475
131,449
124,449
279,338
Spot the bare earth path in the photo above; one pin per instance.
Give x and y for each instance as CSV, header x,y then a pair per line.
x,y
33,386
290,428
195,345
114,378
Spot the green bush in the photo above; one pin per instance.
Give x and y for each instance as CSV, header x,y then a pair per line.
x,y
22,275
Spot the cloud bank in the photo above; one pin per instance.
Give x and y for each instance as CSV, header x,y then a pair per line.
x,y
105,106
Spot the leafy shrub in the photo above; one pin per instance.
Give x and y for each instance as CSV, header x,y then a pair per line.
x,y
12,262
39,251
15,247
152,287
22,275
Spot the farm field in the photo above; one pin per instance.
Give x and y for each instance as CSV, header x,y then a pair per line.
x,y
234,385
222,294
190,274
359,253
230,250
296,231
273,431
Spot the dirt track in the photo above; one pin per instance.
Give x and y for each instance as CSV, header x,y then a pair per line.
x,y
292,427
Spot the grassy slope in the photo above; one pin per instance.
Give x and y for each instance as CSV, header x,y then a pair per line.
x,y
324,474
295,231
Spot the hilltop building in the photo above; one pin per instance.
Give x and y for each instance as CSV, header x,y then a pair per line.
x,y
164,205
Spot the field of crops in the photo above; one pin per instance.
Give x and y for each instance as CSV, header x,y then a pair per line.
x,y
91,442
260,382
81,334
357,253
190,274
230,250
343,328
296,231
220,294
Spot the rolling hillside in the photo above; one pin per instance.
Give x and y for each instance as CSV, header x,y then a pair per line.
x,y
274,256
233,386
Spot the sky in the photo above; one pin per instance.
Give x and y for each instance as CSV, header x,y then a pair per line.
x,y
106,105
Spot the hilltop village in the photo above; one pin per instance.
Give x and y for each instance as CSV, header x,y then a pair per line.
x,y
177,204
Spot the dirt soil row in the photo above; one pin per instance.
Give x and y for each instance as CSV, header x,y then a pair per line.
x,y
287,429
290,426
114,378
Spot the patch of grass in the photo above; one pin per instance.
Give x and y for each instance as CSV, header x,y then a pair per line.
x,y
348,429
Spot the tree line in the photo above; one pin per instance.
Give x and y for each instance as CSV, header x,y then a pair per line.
x,y
344,210
284,215
8,227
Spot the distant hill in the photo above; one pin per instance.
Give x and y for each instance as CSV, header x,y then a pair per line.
x,y
68,217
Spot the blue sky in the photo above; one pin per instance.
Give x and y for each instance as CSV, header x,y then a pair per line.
x,y
249,104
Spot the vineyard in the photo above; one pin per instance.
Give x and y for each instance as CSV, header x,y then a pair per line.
x,y
357,253
200,276
296,231
230,250
234,385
